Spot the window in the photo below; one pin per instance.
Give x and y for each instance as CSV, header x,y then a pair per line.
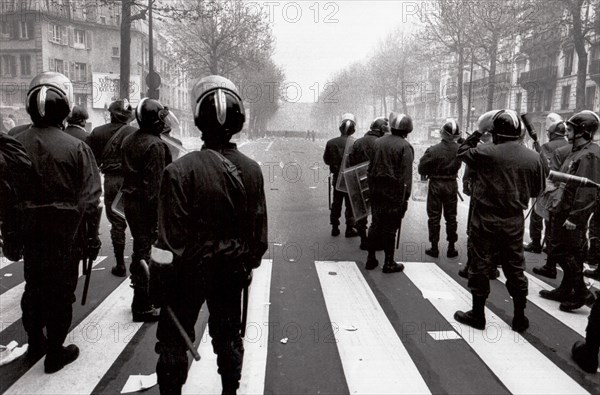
x,y
59,66
116,52
8,66
548,99
595,52
25,64
5,29
80,72
564,100
531,99
518,100
54,33
81,99
569,53
23,30
590,97
79,38
103,20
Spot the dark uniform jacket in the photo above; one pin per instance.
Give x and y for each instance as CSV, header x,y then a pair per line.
x,y
97,140
334,153
390,171
559,156
583,161
363,149
65,182
145,156
508,175
18,129
204,215
77,132
440,161
14,168
548,149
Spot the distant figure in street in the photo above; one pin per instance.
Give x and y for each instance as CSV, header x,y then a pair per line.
x,y
106,142
8,123
507,175
333,157
440,165
76,123
390,184
363,151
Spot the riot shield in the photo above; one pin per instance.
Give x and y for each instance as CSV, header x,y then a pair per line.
x,y
341,182
117,205
355,181
175,146
419,191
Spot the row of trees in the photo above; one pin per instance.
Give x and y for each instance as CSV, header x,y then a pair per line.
x,y
454,33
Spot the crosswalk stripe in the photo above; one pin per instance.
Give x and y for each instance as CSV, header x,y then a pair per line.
x,y
576,320
101,338
203,377
10,301
373,357
498,345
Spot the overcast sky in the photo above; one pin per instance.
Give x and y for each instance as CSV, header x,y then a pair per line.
x,y
311,46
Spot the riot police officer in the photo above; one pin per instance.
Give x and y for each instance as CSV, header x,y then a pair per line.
x,y
569,224
363,150
390,183
508,175
145,156
440,165
106,143
76,123
65,184
333,157
213,219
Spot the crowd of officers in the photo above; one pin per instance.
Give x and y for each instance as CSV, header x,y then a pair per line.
x,y
199,223
501,177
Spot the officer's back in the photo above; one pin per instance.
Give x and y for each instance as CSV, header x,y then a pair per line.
x,y
334,153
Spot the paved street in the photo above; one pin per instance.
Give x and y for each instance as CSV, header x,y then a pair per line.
x,y
348,330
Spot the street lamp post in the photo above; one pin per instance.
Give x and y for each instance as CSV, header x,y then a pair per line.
x,y
471,118
153,78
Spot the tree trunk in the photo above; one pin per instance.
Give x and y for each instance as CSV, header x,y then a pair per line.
x,y
579,41
125,65
384,103
492,79
459,90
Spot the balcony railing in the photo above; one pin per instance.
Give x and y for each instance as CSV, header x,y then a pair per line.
x,y
541,75
543,42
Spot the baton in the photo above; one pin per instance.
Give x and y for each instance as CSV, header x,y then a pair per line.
x,y
400,224
531,209
460,196
329,190
87,270
183,333
244,311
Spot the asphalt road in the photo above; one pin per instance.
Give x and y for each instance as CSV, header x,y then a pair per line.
x,y
319,322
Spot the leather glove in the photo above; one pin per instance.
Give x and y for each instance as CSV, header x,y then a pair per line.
x,y
162,276
93,247
467,188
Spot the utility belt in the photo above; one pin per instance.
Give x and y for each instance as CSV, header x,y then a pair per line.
x,y
442,178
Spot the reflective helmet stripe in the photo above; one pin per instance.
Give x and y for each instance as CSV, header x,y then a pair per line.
x,y
221,106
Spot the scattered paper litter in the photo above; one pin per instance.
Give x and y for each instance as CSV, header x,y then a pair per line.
x,y
443,295
312,187
139,382
11,352
332,273
284,340
351,328
97,269
8,275
278,244
444,335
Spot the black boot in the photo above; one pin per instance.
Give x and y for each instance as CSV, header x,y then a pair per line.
x,y
58,359
391,266
350,232
364,241
372,261
578,299
335,230
474,318
37,347
119,269
464,272
595,274
433,251
230,387
562,293
520,322
451,253
586,353
535,246
547,270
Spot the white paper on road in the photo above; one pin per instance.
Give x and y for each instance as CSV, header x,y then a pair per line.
x,y
140,382
373,357
444,335
431,294
498,344
11,352
203,377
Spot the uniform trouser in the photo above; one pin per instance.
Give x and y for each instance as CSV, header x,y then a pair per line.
x,y
51,273
112,186
594,247
593,327
568,250
536,225
142,221
336,206
442,196
385,223
496,241
361,225
222,292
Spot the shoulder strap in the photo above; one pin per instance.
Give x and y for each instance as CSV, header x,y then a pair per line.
x,y
234,173
106,149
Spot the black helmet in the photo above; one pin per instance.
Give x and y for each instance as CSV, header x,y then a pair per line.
x,y
380,124
507,124
400,123
557,129
585,123
451,128
348,124
151,115
218,106
49,99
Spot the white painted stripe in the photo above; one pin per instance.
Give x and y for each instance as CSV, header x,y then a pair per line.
x,y
4,262
101,338
373,357
10,301
576,320
444,335
498,345
269,146
203,377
